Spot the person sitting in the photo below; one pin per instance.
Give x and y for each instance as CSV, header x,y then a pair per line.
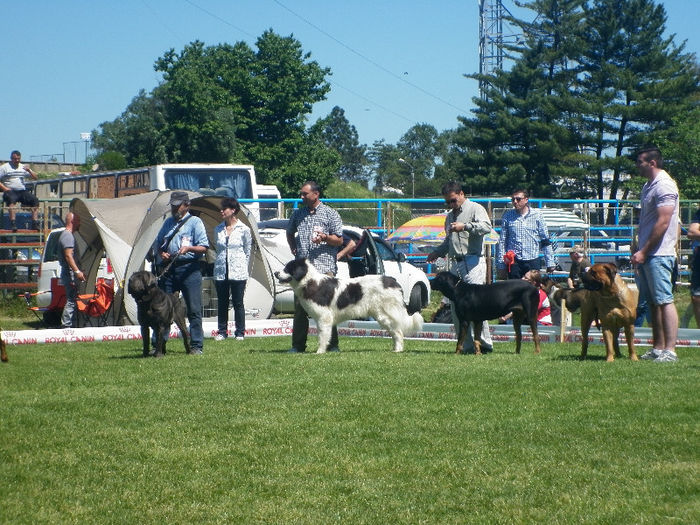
x,y
14,191
579,264
544,310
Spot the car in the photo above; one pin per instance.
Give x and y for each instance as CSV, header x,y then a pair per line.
x,y
373,256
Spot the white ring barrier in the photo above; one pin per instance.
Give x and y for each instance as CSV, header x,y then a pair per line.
x,y
283,327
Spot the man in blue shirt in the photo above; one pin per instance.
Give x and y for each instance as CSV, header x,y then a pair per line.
x,y
523,232
181,244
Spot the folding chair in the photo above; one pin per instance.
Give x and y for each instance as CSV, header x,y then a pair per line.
x,y
50,316
97,305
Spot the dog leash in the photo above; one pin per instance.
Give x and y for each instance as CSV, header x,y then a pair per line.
x,y
165,270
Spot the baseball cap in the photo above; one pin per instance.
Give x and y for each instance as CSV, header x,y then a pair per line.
x,y
178,197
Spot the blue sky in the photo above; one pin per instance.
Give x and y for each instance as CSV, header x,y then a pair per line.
x,y
69,65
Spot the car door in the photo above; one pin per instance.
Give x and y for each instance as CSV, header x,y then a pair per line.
x,y
374,262
390,262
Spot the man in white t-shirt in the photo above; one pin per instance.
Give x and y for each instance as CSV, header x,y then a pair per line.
x,y
655,257
14,191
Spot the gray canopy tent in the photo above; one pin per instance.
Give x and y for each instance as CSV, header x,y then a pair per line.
x,y
125,228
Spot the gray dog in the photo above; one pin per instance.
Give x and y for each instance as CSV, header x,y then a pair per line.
x,y
157,309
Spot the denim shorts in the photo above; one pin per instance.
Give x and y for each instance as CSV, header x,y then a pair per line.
x,y
654,279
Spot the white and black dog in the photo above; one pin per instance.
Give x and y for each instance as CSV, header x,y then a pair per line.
x,y
329,301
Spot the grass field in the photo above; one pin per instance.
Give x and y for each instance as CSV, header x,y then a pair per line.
x,y
246,433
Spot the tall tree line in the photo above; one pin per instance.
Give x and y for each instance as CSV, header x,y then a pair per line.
x,y
591,81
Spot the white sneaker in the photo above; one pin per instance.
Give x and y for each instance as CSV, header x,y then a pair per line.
x,y
667,356
239,338
652,354
219,337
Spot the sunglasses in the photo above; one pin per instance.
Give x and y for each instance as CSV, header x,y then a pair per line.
x,y
451,201
518,199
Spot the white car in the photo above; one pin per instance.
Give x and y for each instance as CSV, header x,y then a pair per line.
x,y
373,256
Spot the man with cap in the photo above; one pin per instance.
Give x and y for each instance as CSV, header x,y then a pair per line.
x,y
181,244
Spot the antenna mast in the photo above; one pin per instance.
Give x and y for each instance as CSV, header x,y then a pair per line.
x,y
492,39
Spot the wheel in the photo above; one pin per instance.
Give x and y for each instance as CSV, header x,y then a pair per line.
x,y
415,301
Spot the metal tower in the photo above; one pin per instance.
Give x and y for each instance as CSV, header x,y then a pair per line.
x,y
492,38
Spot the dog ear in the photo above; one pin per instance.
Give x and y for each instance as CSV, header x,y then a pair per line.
x,y
300,269
611,269
150,280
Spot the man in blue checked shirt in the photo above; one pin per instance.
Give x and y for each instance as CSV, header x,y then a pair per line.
x,y
524,233
181,244
319,235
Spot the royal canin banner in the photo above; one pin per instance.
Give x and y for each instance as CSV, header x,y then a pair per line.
x,y
283,327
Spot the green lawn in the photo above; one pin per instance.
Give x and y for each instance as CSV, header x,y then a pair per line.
x,y
250,434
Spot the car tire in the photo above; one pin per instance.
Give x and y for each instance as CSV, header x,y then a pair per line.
x,y
415,300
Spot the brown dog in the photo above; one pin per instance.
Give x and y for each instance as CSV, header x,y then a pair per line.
x,y
3,350
611,301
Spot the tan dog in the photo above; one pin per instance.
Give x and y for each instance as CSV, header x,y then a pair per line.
x,y
611,301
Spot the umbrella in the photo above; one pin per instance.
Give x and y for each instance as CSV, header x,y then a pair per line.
x,y
559,220
427,229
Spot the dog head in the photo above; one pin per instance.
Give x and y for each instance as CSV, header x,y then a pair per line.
x,y
141,284
574,297
445,282
600,276
293,271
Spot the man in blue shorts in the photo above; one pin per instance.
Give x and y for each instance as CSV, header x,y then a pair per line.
x,y
655,257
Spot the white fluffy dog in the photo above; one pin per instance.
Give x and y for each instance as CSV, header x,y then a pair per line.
x,y
329,301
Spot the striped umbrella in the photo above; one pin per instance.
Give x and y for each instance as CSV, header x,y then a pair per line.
x,y
427,229
559,220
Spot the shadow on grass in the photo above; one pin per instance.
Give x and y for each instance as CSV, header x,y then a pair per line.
x,y
577,357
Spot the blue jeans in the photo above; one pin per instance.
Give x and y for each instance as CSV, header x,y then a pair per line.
x,y
235,290
521,267
70,283
654,279
187,278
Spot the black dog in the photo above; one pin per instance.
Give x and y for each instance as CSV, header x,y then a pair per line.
x,y
476,303
157,309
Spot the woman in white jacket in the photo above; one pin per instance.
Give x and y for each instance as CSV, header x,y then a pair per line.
x,y
233,242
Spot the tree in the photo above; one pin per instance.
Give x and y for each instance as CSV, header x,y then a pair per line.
x,y
227,103
336,132
680,144
422,149
633,82
589,85
138,134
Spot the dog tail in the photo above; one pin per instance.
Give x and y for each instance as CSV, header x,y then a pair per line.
x,y
413,324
